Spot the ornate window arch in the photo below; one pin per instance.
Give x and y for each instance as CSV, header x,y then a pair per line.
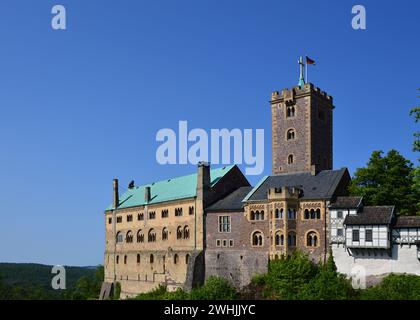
x,y
179,232
186,232
257,238
290,111
119,237
140,236
165,234
129,237
312,238
290,134
151,237
279,239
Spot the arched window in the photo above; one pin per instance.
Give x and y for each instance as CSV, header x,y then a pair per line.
x,y
151,237
187,259
290,111
252,215
125,259
291,239
120,237
191,211
277,214
318,213
152,258
290,134
291,213
262,215
312,239
138,257
118,259
312,214
279,239
129,237
179,233
140,236
307,214
164,234
257,238
186,232
175,258
290,159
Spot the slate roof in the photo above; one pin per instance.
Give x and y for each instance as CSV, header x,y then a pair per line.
x,y
371,215
232,202
407,222
320,186
346,203
168,190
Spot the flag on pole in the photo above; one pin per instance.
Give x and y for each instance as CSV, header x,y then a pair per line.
x,y
309,60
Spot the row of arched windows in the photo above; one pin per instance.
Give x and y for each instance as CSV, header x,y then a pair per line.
x,y
279,213
257,215
152,259
312,214
181,233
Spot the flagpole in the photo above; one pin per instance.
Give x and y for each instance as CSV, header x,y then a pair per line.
x,y
306,70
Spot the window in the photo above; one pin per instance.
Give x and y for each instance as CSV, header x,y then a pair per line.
x,y
312,214
187,259
140,236
175,258
118,260
120,237
290,159
224,223
279,239
339,214
125,259
291,214
186,232
290,134
164,234
218,243
152,214
109,220
119,219
165,213
257,239
178,212
257,215
179,233
307,214
368,235
151,237
224,243
138,258
312,239
290,111
129,237
291,239
279,214
191,211
129,218
230,243
152,258
340,232
318,214
140,217
356,235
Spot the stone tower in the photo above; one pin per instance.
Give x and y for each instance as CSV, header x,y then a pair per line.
x,y
301,130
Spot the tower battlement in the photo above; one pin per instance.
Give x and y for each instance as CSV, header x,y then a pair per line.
x,y
308,89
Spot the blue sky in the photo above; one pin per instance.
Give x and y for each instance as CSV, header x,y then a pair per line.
x,y
82,106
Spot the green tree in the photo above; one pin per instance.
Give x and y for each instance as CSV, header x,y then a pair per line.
x,y
288,275
327,285
395,287
387,180
215,288
415,113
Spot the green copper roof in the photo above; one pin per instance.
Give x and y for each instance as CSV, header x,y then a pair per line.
x,y
168,190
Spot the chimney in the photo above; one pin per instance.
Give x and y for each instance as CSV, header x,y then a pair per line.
x,y
116,196
203,181
147,194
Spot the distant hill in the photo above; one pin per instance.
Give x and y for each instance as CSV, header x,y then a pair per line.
x,y
30,277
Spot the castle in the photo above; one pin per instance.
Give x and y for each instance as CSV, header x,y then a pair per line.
x,y
180,231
